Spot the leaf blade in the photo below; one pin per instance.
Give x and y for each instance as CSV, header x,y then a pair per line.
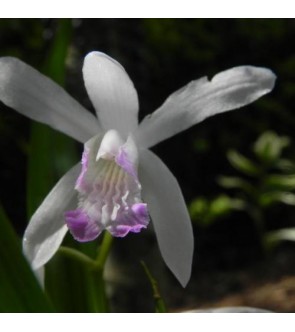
x,y
19,289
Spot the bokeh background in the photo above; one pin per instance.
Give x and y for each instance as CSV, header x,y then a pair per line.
x,y
240,258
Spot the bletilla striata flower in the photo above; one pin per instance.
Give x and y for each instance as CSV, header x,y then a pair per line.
x,y
120,182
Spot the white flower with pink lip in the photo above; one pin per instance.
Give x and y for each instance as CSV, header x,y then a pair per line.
x,y
121,183
109,190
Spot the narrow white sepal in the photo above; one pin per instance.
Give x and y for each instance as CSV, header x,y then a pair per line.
x,y
34,95
169,215
47,227
40,275
228,90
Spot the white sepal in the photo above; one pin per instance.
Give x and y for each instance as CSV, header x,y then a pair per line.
x,y
228,90
39,98
169,215
47,227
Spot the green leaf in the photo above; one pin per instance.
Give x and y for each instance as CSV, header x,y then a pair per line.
x,y
267,199
242,164
67,284
285,165
64,151
19,289
231,182
56,59
68,281
272,239
74,277
205,212
223,205
280,182
40,173
199,211
269,146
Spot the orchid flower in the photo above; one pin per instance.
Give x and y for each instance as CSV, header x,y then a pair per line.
x,y
121,183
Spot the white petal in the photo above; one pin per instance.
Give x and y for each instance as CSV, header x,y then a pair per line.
x,y
40,275
39,98
112,93
47,227
169,214
200,99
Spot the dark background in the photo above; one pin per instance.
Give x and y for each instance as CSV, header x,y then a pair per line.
x,y
162,55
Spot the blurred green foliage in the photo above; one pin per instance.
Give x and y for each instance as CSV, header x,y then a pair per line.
x,y
263,181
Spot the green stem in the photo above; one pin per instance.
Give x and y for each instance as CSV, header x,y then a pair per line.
x,y
104,250
77,255
97,294
99,297
159,302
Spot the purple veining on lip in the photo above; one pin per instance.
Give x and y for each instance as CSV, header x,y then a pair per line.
x,y
141,213
123,230
134,220
82,227
109,192
80,183
123,161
